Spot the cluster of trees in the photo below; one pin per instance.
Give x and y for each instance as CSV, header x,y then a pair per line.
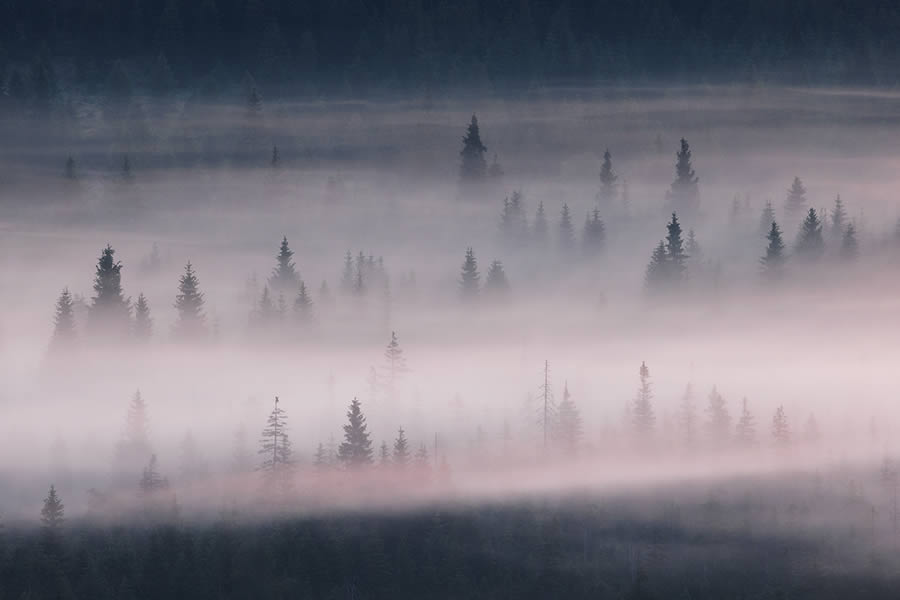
x,y
300,47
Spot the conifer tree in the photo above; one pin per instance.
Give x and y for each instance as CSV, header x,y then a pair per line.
x,y
781,433
796,199
53,513
774,259
284,276
766,218
539,230
275,161
109,311
838,218
684,194
394,366
473,167
470,278
718,424
423,463
348,274
64,333
134,449
275,445
496,284
657,273
745,431
675,254
693,246
384,456
356,449
608,181
568,428
191,321
303,306
547,407
266,314
687,418
401,454
513,221
566,231
594,238
152,482
849,245
143,322
321,459
810,244
643,417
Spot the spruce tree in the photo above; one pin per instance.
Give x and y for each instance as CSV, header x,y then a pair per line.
x,y
676,258
152,482
348,274
774,259
64,333
766,218
303,306
191,321
513,222
849,245
356,449
284,276
394,366
109,311
745,431
693,246
608,181
657,274
642,415
795,204
275,445
134,448
539,230
401,454
594,238
568,429
469,278
566,231
496,284
266,313
781,432
473,167
684,194
53,513
838,218
143,322
810,244
718,424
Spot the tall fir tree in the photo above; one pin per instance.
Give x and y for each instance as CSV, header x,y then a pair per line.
x,y
608,181
394,367
109,311
810,244
143,322
594,238
718,424
53,513
400,457
773,261
838,218
656,276
356,449
64,332
347,274
766,218
745,431
496,285
513,221
303,306
540,228
190,322
568,430
473,167
849,246
795,204
275,446
684,194
469,281
675,254
566,231
284,278
781,431
642,414
134,448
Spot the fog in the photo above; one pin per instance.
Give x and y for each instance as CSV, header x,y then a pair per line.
x,y
381,177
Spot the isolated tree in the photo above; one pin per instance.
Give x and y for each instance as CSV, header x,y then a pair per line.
x,y
684,194
810,244
539,230
594,238
64,333
568,428
496,284
356,449
849,245
781,432
394,366
53,513
303,306
745,431
109,311
401,454
838,218
284,276
687,418
190,322
470,278
643,419
566,230
143,322
766,218
718,423
473,167
275,445
773,261
608,181
796,199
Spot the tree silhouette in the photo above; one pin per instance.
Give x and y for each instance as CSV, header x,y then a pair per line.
x,y
566,238
781,432
53,512
469,278
684,194
810,244
356,449
191,321
568,428
849,245
109,311
143,322
745,431
773,261
401,454
473,167
642,414
795,203
64,333
608,181
284,276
